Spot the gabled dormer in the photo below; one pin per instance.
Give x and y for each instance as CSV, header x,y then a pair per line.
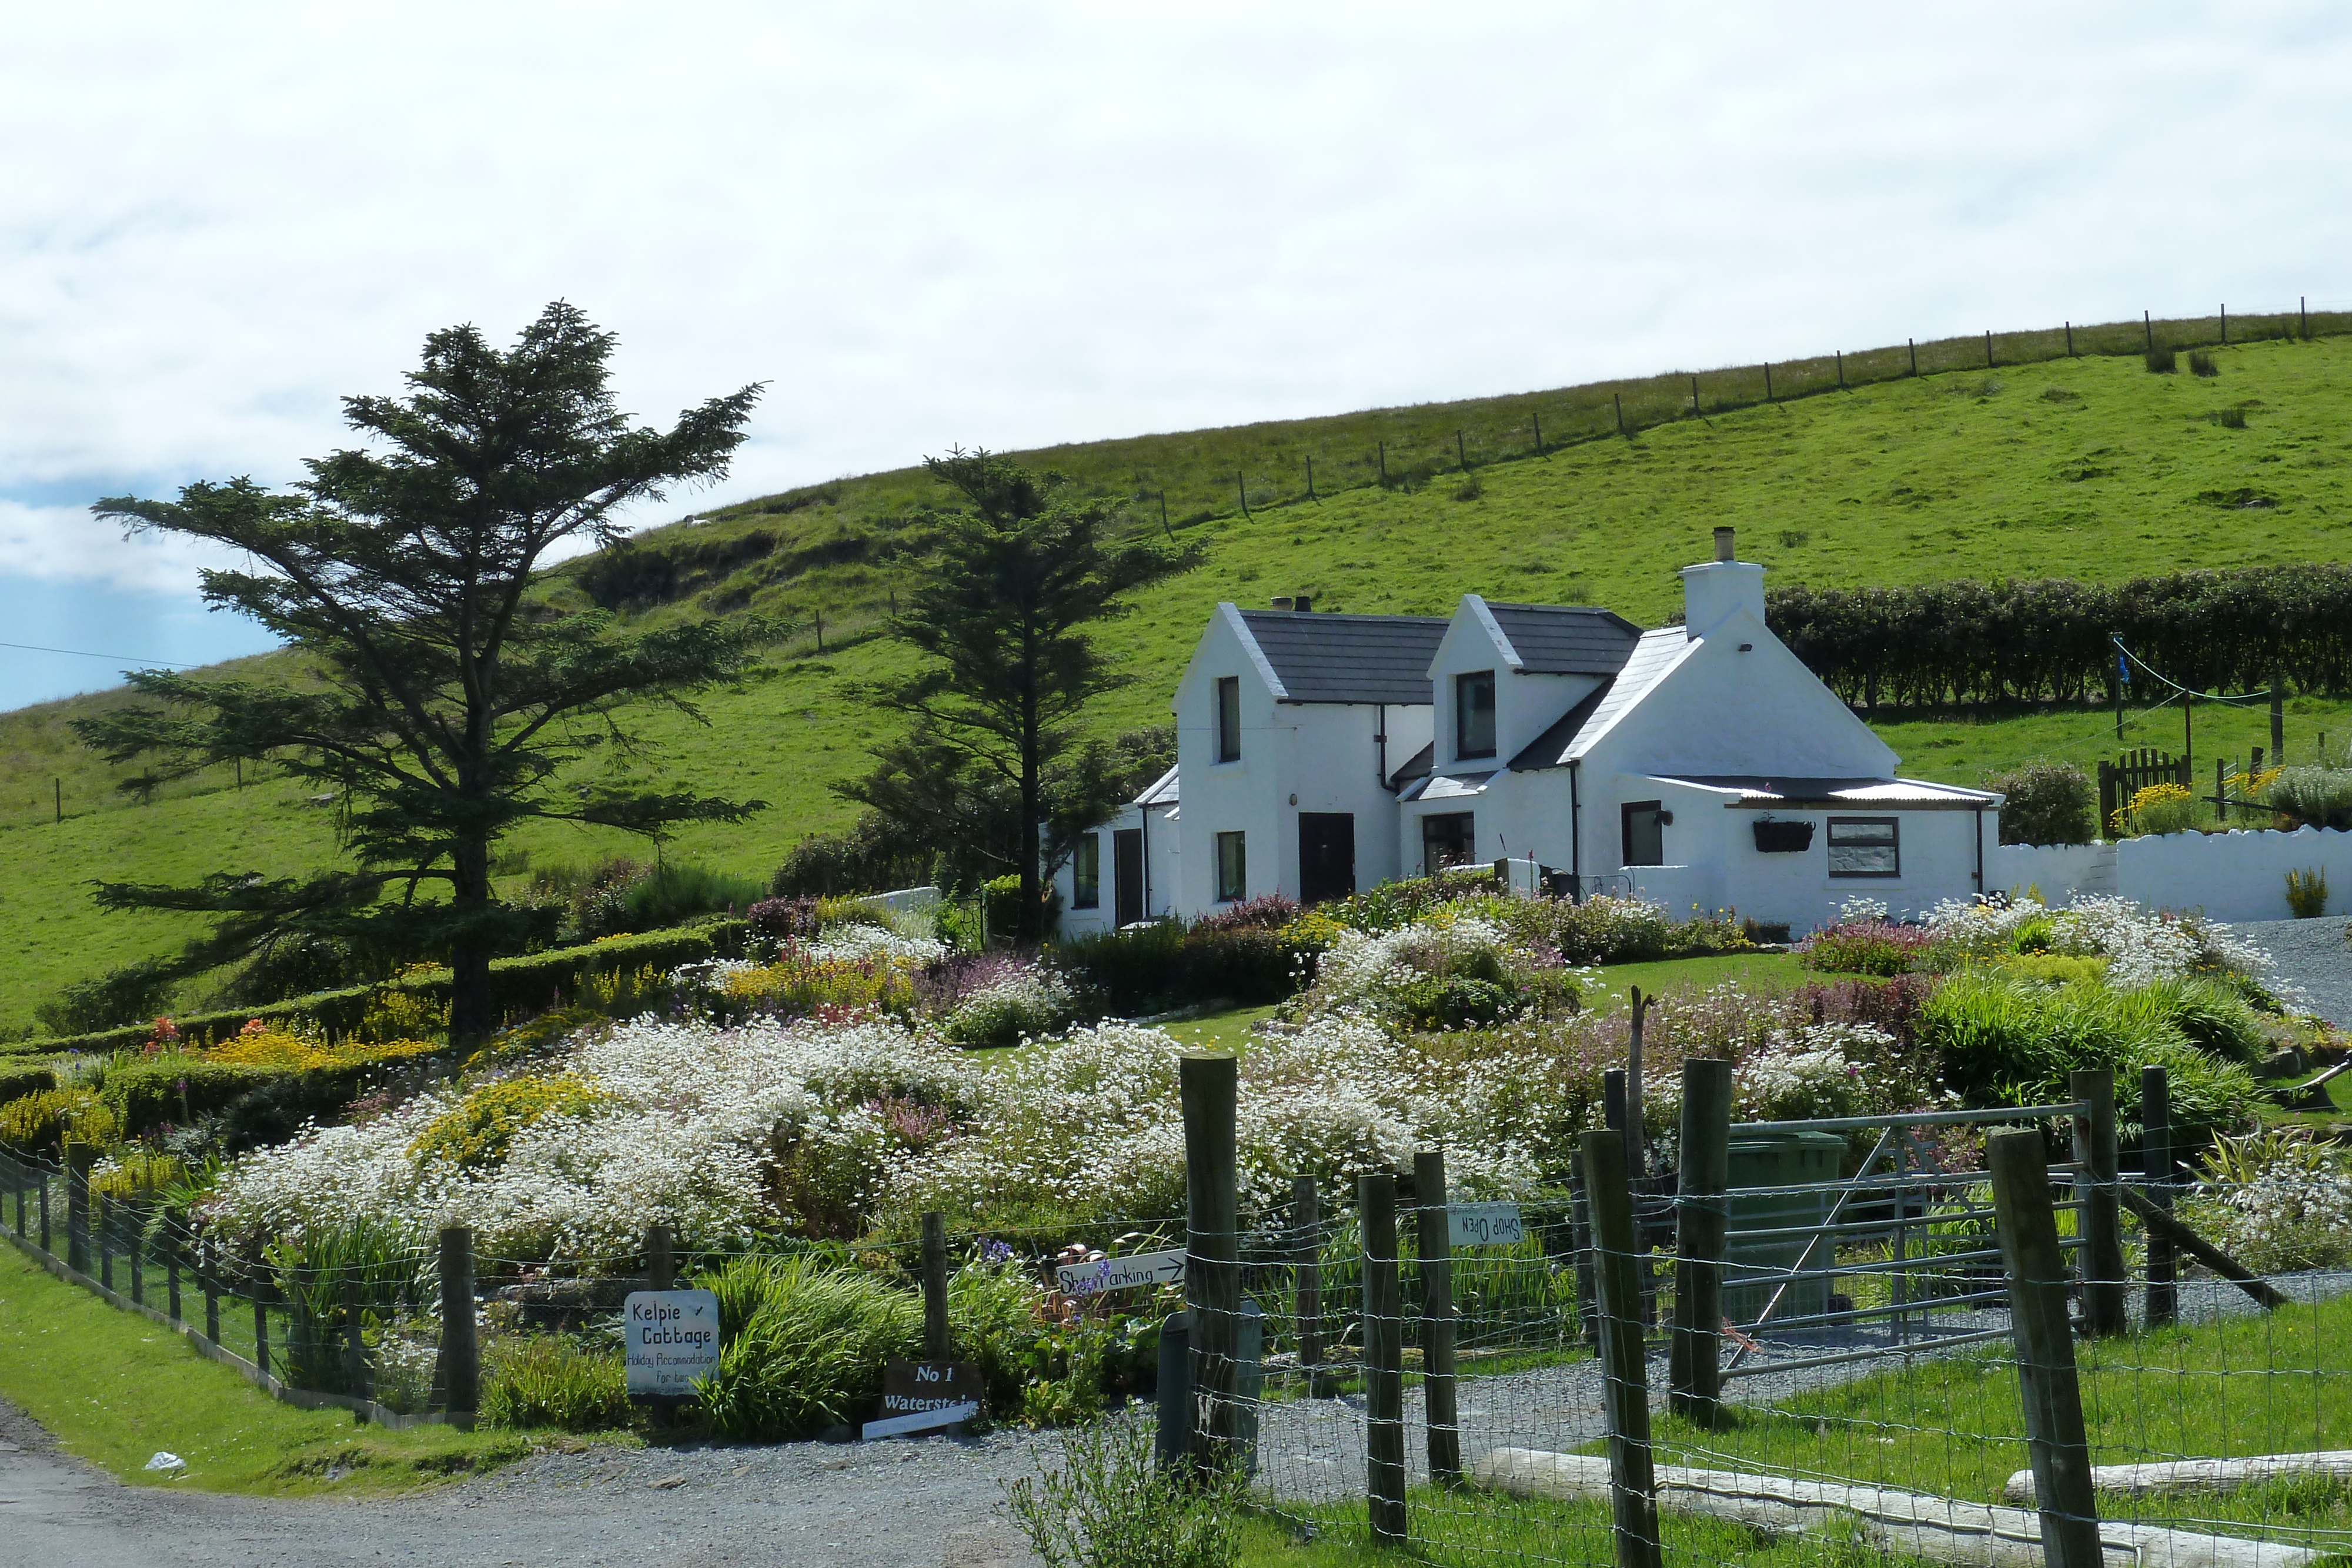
x,y
1506,672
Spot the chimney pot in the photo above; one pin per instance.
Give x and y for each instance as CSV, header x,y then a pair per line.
x,y
1723,551
1280,601
1303,604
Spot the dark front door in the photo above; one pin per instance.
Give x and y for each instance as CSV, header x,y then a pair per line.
x,y
1127,875
1326,856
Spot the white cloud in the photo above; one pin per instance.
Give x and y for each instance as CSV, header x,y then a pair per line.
x,y
1014,225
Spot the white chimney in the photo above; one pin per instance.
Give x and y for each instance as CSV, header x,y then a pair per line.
x,y
1714,590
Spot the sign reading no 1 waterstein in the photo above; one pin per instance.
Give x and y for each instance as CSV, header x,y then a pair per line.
x,y
1485,1224
670,1339
1121,1273
925,1396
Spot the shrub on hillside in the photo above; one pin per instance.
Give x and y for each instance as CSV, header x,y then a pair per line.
x,y
2049,803
117,997
775,920
2162,361
2201,363
39,1123
869,858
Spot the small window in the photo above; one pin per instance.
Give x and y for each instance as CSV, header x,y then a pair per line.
x,y
1232,869
1229,719
1645,832
1474,715
1864,846
1447,838
1085,873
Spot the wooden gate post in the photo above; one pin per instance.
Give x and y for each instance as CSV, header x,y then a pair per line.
x,y
1383,1360
2101,1216
1625,1392
1209,1088
2156,1178
209,1271
171,1245
935,1336
1694,1362
79,1157
1434,1246
2046,1379
461,1365
1307,1243
661,1262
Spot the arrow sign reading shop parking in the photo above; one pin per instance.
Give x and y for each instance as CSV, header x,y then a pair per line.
x,y
1121,1273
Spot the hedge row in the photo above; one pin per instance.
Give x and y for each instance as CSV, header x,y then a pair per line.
x,y
1934,643
520,986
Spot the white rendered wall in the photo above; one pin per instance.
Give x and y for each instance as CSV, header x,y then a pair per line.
x,y
2236,875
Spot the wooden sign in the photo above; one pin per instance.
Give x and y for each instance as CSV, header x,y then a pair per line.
x,y
1485,1224
669,1338
1121,1273
924,1396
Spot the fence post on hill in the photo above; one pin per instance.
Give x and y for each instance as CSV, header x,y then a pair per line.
x,y
1987,348
1307,1244
2051,1394
1625,1392
2156,1177
1913,344
79,1158
2147,324
2102,1252
935,1286
1209,1088
1694,1362
1241,488
461,1365
2070,340
1619,399
1433,1245
1840,369
2278,721
1383,1360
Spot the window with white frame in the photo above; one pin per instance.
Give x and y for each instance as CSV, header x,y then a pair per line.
x,y
1085,873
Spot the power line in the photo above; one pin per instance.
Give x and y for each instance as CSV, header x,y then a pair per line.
x,y
86,653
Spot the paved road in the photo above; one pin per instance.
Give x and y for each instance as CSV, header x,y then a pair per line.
x,y
927,1503
2314,956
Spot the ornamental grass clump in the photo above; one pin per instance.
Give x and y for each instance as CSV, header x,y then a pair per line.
x,y
2315,797
803,1345
553,1380
2278,1200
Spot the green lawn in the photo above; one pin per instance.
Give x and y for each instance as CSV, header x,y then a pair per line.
x,y
1757,971
1951,475
115,1389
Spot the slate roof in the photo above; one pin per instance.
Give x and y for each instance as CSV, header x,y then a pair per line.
x,y
1550,749
1162,792
1348,658
1418,766
1566,639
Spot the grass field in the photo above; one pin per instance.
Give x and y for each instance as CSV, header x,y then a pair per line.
x,y
2091,468
114,1389
1953,1428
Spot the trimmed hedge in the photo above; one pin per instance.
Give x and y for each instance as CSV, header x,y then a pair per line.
x,y
1932,643
520,986
18,1079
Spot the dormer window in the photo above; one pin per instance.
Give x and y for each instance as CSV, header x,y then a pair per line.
x,y
1229,719
1474,715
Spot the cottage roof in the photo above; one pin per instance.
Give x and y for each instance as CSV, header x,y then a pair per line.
x,y
1757,793
1162,792
1418,766
1550,749
1564,638
1319,658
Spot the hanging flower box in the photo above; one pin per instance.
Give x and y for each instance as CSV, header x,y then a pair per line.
x,y
1784,838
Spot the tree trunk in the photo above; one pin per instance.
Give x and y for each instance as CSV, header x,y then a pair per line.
x,y
1030,931
472,1013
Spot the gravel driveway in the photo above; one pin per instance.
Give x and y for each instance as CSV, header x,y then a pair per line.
x,y
2312,956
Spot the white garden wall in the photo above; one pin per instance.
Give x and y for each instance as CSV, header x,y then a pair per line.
x,y
2229,876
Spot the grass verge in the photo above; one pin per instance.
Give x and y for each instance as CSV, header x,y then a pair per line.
x,y
114,1389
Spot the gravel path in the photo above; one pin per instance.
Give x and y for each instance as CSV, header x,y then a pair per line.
x,y
2312,956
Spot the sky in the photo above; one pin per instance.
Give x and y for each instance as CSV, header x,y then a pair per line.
x,y
1016,224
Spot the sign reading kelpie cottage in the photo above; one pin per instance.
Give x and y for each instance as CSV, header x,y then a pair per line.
x,y
924,1396
669,1338
1100,1274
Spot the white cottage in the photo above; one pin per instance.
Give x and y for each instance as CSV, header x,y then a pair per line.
x,y
1695,765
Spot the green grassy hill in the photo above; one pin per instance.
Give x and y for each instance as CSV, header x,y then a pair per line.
x,y
2090,467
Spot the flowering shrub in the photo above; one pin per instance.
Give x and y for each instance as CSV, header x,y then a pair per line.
x,y
1024,1002
1454,969
862,944
2281,1201
2141,949
39,1123
1877,947
481,1128
1799,1074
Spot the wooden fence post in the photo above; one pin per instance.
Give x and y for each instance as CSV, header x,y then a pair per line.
x,y
661,1263
171,1245
1625,1393
936,1337
1209,1088
135,1249
2156,1177
209,1271
1580,1243
78,1157
2102,1252
101,1229
2046,1380
1307,1243
1695,1376
44,1214
1383,1360
1434,1246
261,1322
461,1365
